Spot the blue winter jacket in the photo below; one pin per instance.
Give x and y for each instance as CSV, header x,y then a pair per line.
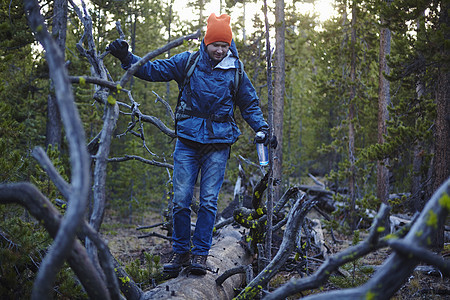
x,y
209,95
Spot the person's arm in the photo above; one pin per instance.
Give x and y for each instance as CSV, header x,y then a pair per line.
x,y
161,69
248,103
158,70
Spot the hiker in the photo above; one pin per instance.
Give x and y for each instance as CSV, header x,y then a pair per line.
x,y
206,129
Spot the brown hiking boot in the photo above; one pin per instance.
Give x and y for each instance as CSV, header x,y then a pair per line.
x,y
198,264
176,262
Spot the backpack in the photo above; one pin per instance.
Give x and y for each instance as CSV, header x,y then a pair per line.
x,y
189,69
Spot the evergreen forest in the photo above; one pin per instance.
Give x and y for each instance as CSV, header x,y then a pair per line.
x,y
359,104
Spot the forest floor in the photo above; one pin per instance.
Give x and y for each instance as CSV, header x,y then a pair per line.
x,y
122,237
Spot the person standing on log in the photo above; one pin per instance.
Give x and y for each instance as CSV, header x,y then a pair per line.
x,y
205,126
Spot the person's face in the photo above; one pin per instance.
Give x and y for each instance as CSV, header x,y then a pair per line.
x,y
217,50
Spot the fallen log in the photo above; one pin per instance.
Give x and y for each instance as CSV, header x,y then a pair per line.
x,y
319,239
226,253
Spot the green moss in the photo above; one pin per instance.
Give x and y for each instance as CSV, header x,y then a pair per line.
x,y
111,100
432,219
381,229
445,201
390,236
370,295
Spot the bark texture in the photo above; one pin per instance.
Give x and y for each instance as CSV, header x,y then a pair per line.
x,y
226,253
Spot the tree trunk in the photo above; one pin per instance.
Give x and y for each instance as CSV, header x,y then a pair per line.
x,y
442,153
268,240
383,114
351,116
59,29
417,191
278,94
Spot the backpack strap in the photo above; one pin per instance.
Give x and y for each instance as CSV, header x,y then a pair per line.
x,y
190,66
238,76
188,70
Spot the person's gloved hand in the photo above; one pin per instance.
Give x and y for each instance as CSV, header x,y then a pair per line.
x,y
262,136
119,49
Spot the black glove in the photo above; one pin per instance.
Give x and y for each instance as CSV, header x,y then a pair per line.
x,y
262,136
119,49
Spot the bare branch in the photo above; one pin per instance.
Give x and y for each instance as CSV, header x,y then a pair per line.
x,y
151,226
384,283
108,263
130,72
156,235
135,112
78,156
98,81
164,102
121,35
138,158
41,208
333,262
223,223
421,254
247,270
295,220
159,124
41,156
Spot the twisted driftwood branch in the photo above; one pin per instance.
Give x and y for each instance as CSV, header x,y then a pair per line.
x,y
295,220
395,270
79,158
42,209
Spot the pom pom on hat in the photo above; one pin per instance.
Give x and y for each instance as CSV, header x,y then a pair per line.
x,y
218,29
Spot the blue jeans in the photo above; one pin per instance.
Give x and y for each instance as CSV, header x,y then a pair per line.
x,y
188,163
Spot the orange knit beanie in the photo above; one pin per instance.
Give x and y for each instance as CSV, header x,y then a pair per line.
x,y
218,29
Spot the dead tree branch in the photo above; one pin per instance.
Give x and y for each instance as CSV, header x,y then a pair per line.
x,y
421,254
41,156
247,270
138,158
296,216
177,42
105,256
385,282
166,105
39,207
110,117
112,86
79,158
